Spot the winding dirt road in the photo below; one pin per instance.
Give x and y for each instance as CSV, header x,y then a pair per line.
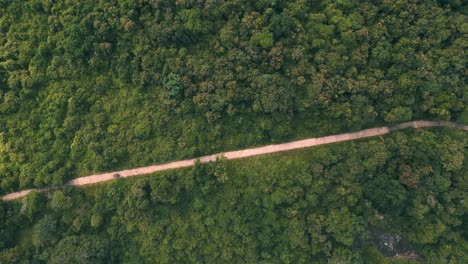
x,y
246,153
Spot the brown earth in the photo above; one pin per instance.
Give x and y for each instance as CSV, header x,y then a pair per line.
x,y
246,153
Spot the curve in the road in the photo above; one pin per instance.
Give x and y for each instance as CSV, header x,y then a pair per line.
x,y
246,153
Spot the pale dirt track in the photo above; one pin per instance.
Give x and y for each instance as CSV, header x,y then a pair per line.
x,y
247,153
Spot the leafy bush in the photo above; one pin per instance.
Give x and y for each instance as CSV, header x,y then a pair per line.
x,y
173,84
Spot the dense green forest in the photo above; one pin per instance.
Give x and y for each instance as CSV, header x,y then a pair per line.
x,y
91,86
99,85
330,204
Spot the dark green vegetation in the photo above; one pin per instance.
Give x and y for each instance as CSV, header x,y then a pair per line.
x,y
325,204
90,86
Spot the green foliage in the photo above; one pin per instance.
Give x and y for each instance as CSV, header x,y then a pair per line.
x,y
325,204
398,114
94,86
80,250
44,232
273,97
60,201
395,194
372,255
281,25
32,204
173,84
192,20
264,39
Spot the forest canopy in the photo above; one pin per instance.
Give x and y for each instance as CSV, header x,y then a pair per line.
x,y
92,86
349,202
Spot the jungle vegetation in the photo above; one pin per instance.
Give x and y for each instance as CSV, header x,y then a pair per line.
x,y
328,204
92,86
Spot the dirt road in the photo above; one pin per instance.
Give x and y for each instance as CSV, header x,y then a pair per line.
x,y
247,153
